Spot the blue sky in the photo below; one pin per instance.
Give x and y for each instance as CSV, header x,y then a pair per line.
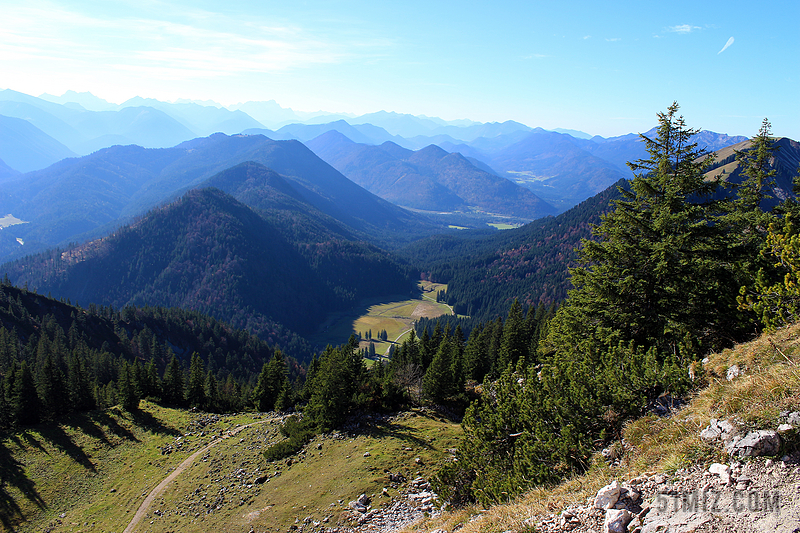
x,y
605,68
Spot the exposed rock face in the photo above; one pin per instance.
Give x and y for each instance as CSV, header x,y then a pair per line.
x,y
742,497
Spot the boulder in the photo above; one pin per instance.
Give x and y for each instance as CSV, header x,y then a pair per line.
x,y
607,497
733,372
757,443
723,471
722,431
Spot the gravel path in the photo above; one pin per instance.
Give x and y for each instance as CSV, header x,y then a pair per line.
x,y
156,492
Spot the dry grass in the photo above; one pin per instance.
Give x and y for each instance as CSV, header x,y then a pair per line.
x,y
770,384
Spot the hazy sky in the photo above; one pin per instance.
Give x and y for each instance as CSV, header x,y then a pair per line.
x,y
602,67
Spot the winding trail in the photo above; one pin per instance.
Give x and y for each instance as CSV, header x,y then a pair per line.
x,y
156,492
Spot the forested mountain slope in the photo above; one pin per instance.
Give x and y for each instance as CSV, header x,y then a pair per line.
x,y
211,253
485,272
80,359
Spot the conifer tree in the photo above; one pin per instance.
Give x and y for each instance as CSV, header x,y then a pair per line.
x,y
172,383
195,391
126,389
514,342
25,405
652,272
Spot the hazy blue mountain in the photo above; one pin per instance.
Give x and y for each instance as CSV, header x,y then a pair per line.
x,y
620,150
410,126
6,171
199,119
144,126
88,195
84,131
361,133
430,179
86,100
269,113
551,165
574,133
24,147
44,120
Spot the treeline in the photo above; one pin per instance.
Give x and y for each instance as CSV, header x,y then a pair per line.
x,y
439,368
671,273
56,359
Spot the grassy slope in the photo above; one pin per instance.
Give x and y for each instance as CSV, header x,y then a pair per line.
x,y
770,385
93,468
96,470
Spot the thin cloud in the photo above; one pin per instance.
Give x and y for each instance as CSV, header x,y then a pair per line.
x,y
683,28
727,45
47,35
613,39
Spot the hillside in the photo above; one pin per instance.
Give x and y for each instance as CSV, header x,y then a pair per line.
x,y
485,272
24,147
665,460
210,253
89,196
429,179
227,485
785,162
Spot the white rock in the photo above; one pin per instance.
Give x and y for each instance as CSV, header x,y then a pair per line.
x,y
617,521
733,372
607,497
723,471
785,428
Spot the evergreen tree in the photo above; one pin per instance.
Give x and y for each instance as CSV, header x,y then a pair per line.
x,y
25,404
334,386
172,383
211,391
515,340
126,389
196,392
652,274
270,382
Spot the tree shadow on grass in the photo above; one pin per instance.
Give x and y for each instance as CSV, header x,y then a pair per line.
x,y
12,473
147,421
60,439
400,432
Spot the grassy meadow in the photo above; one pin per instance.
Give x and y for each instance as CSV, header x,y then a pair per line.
x,y
395,315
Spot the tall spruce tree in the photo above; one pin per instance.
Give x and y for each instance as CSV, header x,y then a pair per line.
x,y
196,391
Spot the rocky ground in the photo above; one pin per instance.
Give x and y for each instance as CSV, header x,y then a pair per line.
x,y
741,497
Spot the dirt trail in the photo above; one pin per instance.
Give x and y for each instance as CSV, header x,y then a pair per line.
x,y
156,492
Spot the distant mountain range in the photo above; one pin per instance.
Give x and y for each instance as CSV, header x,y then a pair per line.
x,y
86,197
429,179
561,167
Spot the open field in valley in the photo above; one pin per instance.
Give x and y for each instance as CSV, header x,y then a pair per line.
x,y
396,315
